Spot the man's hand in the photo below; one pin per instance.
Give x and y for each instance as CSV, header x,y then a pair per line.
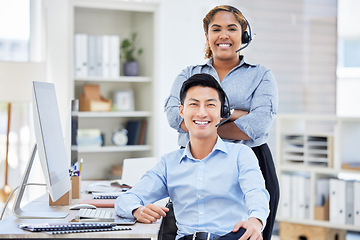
x,y
253,229
150,213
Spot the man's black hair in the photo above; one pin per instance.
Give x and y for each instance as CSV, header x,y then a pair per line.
x,y
203,80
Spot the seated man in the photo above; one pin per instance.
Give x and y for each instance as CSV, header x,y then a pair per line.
x,y
216,187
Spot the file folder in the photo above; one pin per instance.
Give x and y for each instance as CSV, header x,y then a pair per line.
x,y
337,201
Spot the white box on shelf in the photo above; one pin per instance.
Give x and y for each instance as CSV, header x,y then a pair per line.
x,y
124,100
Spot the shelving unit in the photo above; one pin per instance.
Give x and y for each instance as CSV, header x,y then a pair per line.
x,y
315,147
120,18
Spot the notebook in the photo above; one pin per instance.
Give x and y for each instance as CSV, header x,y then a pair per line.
x,y
72,227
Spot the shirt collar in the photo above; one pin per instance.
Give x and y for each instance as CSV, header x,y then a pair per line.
x,y
219,146
242,62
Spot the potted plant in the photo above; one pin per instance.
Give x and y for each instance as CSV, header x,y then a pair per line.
x,y
129,55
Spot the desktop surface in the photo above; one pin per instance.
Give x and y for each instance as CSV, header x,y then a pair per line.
x,y
9,226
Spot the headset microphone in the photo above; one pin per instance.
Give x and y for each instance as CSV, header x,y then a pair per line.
x,y
246,37
224,121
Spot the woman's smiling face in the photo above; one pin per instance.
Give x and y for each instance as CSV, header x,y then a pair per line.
x,y
224,35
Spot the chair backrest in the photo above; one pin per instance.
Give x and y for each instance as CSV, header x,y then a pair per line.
x,y
168,228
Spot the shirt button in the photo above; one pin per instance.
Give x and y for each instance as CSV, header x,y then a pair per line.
x,y
200,179
199,196
201,213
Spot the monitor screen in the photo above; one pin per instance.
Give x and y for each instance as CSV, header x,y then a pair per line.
x,y
50,141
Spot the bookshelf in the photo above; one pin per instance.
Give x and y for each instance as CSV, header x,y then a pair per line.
x,y
311,150
104,18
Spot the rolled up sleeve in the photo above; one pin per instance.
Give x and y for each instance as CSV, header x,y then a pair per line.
x,y
263,108
151,188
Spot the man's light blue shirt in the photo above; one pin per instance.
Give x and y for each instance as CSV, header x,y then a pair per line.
x,y
249,87
211,194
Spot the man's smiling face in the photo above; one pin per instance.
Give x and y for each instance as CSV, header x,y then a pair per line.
x,y
201,111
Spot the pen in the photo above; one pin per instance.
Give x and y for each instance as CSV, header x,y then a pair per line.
x,y
81,162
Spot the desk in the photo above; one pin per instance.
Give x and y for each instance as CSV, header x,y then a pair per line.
x,y
9,226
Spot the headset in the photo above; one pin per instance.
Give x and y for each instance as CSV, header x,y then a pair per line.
x,y
225,109
246,36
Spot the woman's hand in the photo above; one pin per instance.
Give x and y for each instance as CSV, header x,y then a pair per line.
x,y
253,229
150,213
237,114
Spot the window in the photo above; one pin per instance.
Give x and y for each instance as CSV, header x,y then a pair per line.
x,y
348,67
14,30
349,52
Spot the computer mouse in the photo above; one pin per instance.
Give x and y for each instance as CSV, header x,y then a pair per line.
x,y
82,205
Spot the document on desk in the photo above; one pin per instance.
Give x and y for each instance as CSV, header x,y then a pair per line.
x,y
101,188
100,203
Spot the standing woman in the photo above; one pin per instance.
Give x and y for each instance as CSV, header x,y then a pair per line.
x,y
251,89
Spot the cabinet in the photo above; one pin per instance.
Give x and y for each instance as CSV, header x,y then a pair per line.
x,y
121,19
313,151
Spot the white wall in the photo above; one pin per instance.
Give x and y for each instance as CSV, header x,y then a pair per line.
x,y
181,44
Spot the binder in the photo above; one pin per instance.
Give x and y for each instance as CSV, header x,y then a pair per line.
x,y
306,197
106,56
356,199
322,191
285,198
349,199
80,58
133,128
91,55
114,56
98,55
300,197
337,201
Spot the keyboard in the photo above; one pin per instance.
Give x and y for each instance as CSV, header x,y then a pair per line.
x,y
105,197
102,215
96,214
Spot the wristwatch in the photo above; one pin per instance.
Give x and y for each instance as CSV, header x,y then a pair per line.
x,y
119,137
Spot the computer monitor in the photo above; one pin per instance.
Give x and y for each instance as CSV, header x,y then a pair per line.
x,y
51,150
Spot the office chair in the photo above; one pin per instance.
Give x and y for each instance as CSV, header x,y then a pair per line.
x,y
168,228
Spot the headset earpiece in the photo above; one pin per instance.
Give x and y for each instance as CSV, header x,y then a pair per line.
x,y
225,108
225,111
246,38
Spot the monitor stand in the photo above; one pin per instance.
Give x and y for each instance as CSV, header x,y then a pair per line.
x,y
18,212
